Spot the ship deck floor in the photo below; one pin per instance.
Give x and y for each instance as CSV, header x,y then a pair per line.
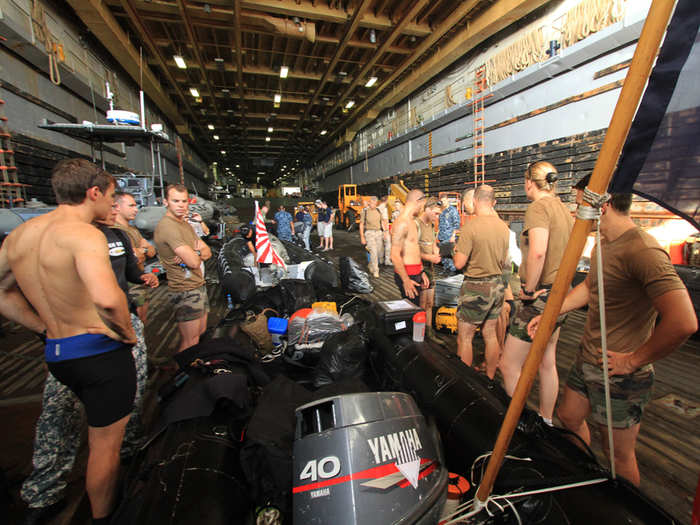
x,y
668,447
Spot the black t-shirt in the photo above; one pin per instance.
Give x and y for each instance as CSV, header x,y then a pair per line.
x,y
121,257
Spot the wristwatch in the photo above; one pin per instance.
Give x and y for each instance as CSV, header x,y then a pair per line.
x,y
198,252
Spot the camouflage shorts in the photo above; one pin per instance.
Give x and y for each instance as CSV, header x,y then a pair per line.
x,y
629,393
480,300
139,294
191,304
526,311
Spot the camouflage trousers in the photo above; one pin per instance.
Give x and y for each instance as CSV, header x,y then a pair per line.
x,y
481,299
629,393
375,247
59,431
387,249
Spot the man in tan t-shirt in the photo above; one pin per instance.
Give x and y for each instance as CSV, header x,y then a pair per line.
x,y
482,251
640,283
127,209
371,235
181,252
383,207
429,253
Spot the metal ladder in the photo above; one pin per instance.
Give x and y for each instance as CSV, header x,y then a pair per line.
x,y
478,114
12,192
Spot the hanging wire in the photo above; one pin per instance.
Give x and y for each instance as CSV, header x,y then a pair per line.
x,y
593,212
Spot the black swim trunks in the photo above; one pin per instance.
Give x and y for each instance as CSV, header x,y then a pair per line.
x,y
105,383
418,278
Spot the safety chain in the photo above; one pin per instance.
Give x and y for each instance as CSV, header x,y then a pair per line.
x,y
596,201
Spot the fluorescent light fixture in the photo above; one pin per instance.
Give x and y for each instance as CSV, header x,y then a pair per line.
x,y
324,131
267,139
223,152
180,62
210,126
225,90
194,92
218,59
270,129
216,137
238,165
372,81
278,98
284,71
350,104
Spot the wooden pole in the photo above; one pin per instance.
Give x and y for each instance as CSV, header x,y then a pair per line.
x,y
632,90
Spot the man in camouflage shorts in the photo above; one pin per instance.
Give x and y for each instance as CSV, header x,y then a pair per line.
x,y
482,251
525,311
189,304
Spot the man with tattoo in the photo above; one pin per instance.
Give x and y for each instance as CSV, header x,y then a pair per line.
x,y
405,250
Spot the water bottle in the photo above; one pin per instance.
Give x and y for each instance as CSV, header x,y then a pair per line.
x,y
186,268
230,302
419,327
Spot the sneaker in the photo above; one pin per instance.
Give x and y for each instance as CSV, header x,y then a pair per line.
x,y
376,274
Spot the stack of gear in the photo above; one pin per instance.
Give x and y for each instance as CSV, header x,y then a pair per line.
x,y
447,290
311,327
353,278
235,281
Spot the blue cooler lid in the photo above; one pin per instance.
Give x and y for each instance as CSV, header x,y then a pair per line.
x,y
277,325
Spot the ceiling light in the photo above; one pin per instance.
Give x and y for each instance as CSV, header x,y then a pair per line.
x,y
225,90
180,62
350,104
218,59
278,98
194,92
270,130
267,139
210,126
372,81
324,131
223,152
372,36
284,71
238,165
216,137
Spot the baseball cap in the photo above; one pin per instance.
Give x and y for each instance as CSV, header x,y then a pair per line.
x,y
318,202
432,202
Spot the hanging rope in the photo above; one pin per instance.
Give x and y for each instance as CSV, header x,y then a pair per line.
x,y
43,35
593,212
516,57
590,16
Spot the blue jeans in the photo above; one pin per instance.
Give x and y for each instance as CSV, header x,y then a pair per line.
x,y
307,236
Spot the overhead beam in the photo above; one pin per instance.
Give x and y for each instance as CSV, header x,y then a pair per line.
x,y
198,56
238,50
486,24
98,18
393,35
306,9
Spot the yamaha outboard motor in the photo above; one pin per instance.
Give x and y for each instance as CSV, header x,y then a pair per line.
x,y
369,458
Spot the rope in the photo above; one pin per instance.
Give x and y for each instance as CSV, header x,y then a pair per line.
x,y
43,35
588,17
596,202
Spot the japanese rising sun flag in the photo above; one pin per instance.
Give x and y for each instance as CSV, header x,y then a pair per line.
x,y
265,252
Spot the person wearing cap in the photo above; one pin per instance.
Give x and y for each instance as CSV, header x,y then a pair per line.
x,y
324,225
548,224
371,234
482,251
429,253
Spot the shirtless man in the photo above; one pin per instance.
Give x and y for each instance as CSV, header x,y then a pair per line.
x,y
182,252
429,253
405,251
127,209
60,263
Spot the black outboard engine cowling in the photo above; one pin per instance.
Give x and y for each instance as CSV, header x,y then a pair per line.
x,y
368,458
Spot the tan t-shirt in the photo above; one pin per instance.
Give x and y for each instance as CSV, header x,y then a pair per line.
x,y
484,240
551,214
170,234
426,237
371,218
134,235
635,271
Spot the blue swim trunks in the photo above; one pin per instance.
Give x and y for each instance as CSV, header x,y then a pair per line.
x,y
79,346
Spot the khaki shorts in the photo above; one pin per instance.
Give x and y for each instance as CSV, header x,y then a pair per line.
x,y
481,299
526,311
629,394
139,294
190,304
